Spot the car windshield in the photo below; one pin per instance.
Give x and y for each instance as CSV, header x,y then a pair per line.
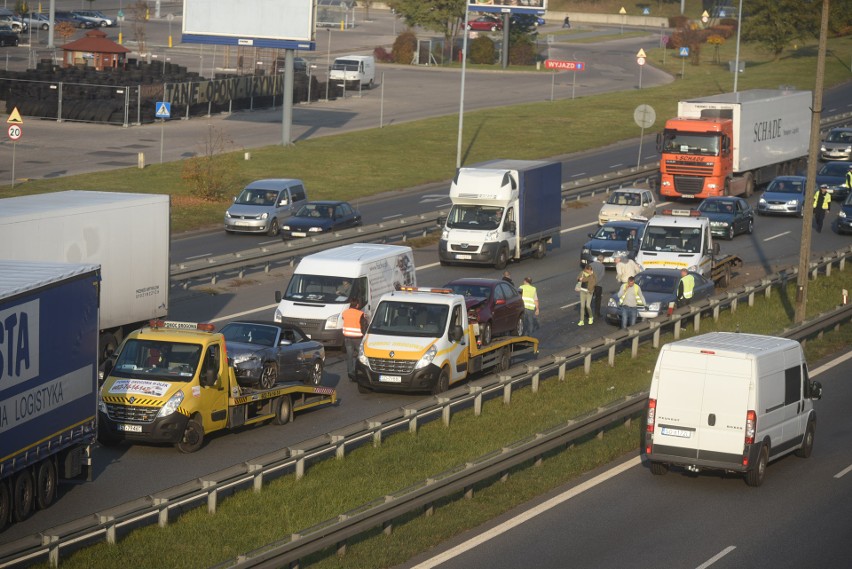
x,y
839,136
833,169
323,289
256,334
345,65
786,187
257,197
397,318
474,217
316,210
716,207
624,198
469,290
656,283
672,239
690,143
615,233
148,359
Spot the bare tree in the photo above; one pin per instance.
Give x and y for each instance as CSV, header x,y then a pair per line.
x,y
212,172
139,11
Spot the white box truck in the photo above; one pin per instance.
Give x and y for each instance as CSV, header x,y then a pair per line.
x,y
126,234
729,401
323,285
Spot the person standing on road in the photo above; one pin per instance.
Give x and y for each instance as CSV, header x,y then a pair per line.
x,y
630,298
530,296
849,178
822,201
586,287
599,270
354,326
507,277
625,268
685,288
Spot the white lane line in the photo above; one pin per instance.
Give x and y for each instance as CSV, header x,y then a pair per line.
x,y
843,472
444,206
527,515
614,166
392,216
238,314
777,236
578,175
833,363
270,242
716,557
576,227
198,256
569,305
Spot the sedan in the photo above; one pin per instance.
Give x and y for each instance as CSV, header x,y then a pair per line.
x,y
784,195
320,217
495,305
626,204
96,16
659,287
833,174
837,145
612,240
265,353
728,216
485,24
76,21
36,21
844,218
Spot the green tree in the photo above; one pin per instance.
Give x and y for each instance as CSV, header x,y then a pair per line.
x,y
775,24
445,17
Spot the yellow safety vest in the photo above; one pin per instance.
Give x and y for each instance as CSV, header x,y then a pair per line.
x,y
825,202
637,292
688,285
528,293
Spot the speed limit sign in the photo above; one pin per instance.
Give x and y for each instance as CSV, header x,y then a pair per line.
x,y
15,131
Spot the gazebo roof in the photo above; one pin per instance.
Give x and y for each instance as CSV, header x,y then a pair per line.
x,y
95,42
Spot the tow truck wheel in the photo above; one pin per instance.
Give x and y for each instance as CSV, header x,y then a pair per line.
x,y
23,495
5,504
269,376
283,410
486,334
193,437
46,481
504,360
315,377
443,382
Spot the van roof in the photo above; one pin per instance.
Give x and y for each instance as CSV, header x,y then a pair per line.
x,y
348,259
733,343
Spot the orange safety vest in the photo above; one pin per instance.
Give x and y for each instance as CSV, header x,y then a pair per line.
x,y
352,318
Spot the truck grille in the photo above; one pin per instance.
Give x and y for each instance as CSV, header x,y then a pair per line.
x,y
464,247
396,367
307,325
131,413
680,168
688,185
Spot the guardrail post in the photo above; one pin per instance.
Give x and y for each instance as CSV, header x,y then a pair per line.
x,y
446,410
611,352
412,420
716,310
468,493
587,361
341,549
562,365
162,505
212,495
750,295
655,341
734,303
377,434
257,479
676,328
52,543
506,380
300,462
634,346
767,292
536,376
110,528
340,441
696,322
828,268
477,400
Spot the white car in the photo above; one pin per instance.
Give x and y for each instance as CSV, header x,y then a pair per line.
x,y
626,204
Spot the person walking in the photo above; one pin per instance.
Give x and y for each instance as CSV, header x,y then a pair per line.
x,y
625,267
822,201
508,278
630,299
530,296
599,270
354,326
586,287
849,178
685,287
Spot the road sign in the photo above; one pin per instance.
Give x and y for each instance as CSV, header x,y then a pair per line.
x,y
640,60
644,115
163,110
683,52
564,65
15,132
15,117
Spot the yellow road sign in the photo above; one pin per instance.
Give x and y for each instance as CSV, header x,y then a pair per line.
x,y
15,117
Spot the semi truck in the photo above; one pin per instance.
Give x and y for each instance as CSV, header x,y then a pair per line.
x,y
424,340
502,210
126,234
173,382
728,144
48,381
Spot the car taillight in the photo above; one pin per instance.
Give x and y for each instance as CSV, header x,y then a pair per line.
x,y
649,427
750,427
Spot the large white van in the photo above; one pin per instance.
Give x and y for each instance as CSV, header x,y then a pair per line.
x,y
324,284
730,401
354,71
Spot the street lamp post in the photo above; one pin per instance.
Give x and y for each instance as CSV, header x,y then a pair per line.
x,y
328,65
737,56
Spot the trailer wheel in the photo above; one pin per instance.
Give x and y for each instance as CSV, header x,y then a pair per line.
x,y
808,442
504,360
269,375
193,437
540,250
46,481
5,505
23,495
749,186
109,344
658,468
443,382
283,410
502,259
485,336
755,476
315,377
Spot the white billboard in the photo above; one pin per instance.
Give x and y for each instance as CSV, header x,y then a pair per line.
x,y
283,24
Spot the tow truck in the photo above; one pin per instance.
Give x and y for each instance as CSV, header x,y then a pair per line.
x,y
424,339
172,382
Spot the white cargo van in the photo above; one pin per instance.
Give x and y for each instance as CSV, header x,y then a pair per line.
x,y
729,401
354,71
324,283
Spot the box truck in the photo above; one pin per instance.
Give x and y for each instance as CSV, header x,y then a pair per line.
x,y
502,210
48,381
731,402
126,234
728,144
323,285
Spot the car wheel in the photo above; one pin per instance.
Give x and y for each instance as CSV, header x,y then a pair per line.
x,y
540,250
750,229
808,442
274,228
269,376
485,334
45,26
443,382
193,437
493,28
468,26
658,468
518,330
315,377
502,259
731,233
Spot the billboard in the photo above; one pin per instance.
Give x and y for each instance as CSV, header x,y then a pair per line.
x,y
282,24
511,6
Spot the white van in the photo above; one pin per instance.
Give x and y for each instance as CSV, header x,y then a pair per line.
x,y
354,71
730,401
324,283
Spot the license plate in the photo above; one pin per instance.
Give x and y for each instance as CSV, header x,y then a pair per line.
x,y
391,378
299,234
130,428
242,224
463,257
777,207
669,432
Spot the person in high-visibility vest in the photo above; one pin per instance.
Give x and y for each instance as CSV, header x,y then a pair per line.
x,y
354,326
530,296
822,201
685,288
630,298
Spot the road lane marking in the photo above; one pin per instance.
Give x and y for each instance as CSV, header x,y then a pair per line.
x,y
425,198
578,175
843,472
833,363
243,313
528,515
392,216
198,256
576,227
716,557
614,166
777,236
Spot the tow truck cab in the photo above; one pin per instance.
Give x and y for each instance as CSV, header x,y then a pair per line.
x,y
678,239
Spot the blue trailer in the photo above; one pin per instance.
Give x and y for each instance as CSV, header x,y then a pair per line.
x,y
48,381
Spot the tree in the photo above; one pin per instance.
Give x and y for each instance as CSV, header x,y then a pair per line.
x,y
211,174
139,10
443,16
65,30
774,24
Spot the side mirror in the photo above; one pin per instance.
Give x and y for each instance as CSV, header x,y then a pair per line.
x,y
456,333
277,296
591,235
511,227
235,199
816,390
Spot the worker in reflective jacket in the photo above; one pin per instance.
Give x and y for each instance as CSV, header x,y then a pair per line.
x,y
354,326
685,288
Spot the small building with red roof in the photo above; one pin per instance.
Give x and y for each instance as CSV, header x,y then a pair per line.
x,y
94,50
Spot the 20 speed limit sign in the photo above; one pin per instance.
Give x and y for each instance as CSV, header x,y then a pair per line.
x,y
15,131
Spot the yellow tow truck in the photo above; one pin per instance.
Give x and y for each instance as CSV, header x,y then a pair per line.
x,y
172,382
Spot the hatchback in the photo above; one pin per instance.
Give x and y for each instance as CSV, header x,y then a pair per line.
x,y
485,24
728,216
8,36
784,195
837,145
627,203
318,217
495,305
263,205
612,240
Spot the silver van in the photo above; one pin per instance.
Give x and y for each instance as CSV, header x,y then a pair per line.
x,y
263,204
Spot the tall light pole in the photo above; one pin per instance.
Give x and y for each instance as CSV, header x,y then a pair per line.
x,y
461,102
737,57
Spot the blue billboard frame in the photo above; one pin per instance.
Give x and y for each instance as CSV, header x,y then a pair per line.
x,y
535,7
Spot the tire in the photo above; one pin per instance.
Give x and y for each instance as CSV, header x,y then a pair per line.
x,y
726,190
731,233
749,187
485,334
193,437
274,228
315,377
5,505
750,229
493,28
283,410
46,481
518,330
540,250
269,375
468,27
444,263
45,26
808,442
504,360
502,259
658,468
443,382
23,495
755,476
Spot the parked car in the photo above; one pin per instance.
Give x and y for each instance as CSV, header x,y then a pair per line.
x,y
613,239
14,22
494,304
318,217
784,196
77,22
833,174
264,204
8,36
485,24
36,21
265,353
844,217
728,216
837,145
627,203
95,16
528,20
659,287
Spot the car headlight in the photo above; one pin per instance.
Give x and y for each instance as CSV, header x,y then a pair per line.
x,y
227,215
761,201
333,322
171,405
586,251
841,214
278,317
243,358
315,230
654,307
792,202
822,148
101,405
361,357
285,227
491,236
445,234
426,358
611,303
263,215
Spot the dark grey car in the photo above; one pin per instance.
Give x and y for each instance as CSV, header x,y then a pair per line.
x,y
265,353
729,216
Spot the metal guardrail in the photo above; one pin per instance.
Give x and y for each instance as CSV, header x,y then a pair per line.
x,y
106,525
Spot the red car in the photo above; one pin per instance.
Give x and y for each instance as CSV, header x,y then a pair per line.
x,y
495,304
485,24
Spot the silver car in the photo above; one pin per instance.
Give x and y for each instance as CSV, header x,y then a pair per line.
x,y
95,16
837,145
264,204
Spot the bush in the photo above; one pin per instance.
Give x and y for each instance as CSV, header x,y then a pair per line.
x,y
482,51
522,52
382,55
678,22
403,47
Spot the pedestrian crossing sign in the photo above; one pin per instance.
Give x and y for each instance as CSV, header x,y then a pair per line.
x,y
163,110
684,52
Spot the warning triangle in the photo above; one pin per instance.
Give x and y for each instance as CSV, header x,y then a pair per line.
x,y
641,53
15,117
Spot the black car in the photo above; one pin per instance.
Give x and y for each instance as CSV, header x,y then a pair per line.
x,y
613,239
265,353
318,217
728,216
844,218
833,174
659,287
8,36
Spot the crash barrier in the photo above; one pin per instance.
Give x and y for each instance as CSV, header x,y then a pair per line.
x,y
111,524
